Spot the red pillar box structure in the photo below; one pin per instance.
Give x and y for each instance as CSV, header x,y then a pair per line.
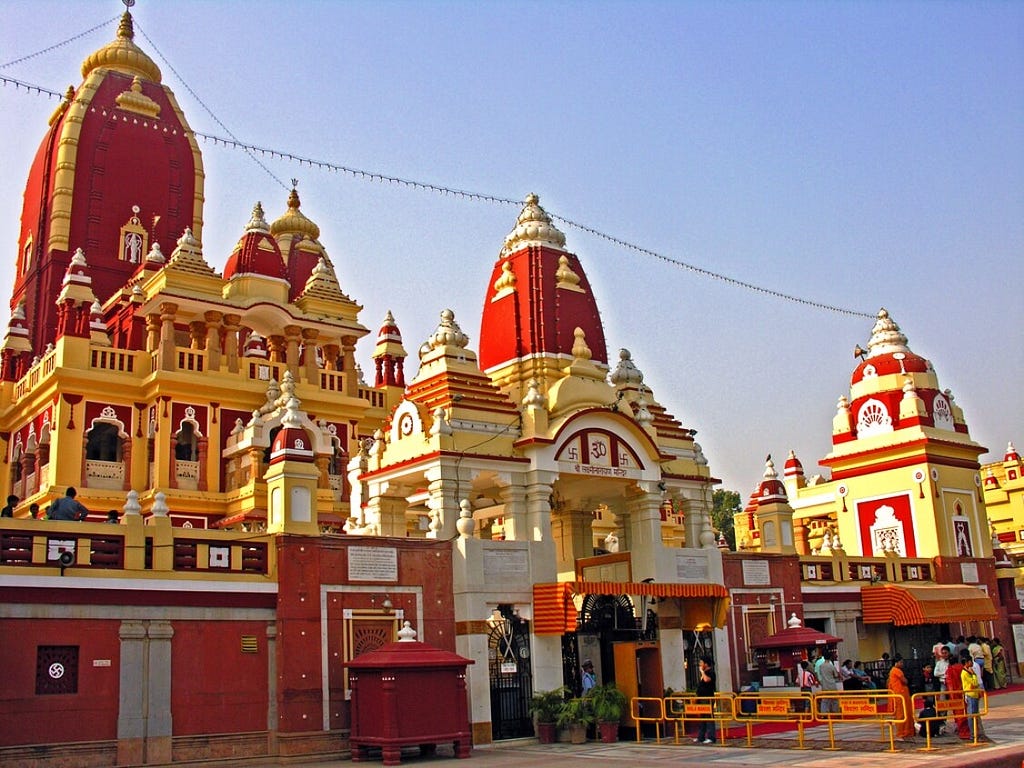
x,y
408,694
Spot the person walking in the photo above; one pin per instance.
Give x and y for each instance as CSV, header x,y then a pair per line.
x,y
706,688
897,684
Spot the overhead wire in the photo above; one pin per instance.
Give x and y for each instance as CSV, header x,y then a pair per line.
x,y
62,43
254,152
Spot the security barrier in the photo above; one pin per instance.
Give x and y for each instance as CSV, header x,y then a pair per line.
x,y
827,707
883,707
948,705
752,708
647,709
686,706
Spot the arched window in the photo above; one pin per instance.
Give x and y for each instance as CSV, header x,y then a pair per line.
x,y
187,446
103,443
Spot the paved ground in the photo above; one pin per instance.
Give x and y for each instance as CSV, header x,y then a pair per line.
x,y
860,747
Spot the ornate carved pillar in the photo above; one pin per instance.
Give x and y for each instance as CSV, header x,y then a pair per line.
x,y
231,341
514,498
276,349
292,337
168,354
644,506
172,480
348,365
255,460
331,352
202,452
309,337
197,334
212,319
442,485
152,332
126,462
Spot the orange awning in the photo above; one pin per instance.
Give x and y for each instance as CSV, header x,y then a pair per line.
x,y
907,605
554,612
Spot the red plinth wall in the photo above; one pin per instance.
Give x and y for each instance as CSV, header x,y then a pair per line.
x,y
408,694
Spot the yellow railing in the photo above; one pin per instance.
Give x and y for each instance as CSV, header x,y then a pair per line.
x,y
948,705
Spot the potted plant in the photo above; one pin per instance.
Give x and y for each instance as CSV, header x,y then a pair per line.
x,y
609,704
575,715
545,706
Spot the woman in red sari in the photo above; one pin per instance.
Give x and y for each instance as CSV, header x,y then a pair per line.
x,y
898,684
954,689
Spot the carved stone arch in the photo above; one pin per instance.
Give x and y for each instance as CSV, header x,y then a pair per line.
x,y
109,416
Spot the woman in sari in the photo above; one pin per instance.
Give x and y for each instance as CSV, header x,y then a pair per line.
x,y
955,688
999,663
898,684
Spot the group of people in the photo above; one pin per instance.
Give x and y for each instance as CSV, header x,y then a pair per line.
x,y
67,508
959,669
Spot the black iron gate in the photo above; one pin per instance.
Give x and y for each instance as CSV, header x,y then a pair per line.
x,y
508,654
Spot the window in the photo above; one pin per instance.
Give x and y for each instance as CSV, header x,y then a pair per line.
x,y
56,669
103,444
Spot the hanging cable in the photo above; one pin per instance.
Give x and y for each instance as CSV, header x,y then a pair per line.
x,y
208,110
55,46
252,150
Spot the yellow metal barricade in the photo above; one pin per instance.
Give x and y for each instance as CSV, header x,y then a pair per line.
x,y
759,707
883,707
688,706
948,706
647,709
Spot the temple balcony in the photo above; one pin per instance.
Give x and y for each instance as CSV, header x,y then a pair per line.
x,y
136,545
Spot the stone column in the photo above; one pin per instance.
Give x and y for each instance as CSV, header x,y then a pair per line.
x,y
197,334
292,337
348,365
443,482
131,724
152,332
514,498
644,505
168,353
213,319
204,449
159,727
276,348
309,337
231,324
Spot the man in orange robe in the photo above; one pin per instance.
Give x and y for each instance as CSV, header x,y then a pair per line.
x,y
898,685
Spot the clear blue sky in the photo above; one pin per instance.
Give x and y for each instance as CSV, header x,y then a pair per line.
x,y
860,154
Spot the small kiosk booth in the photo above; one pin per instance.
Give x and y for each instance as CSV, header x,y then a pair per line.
x,y
405,694
778,655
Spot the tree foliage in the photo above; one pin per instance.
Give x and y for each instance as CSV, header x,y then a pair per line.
x,y
725,504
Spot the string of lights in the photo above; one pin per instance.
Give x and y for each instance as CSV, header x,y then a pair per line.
x,y
252,150
208,110
61,44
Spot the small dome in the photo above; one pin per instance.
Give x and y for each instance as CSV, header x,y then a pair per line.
x,y
294,221
1011,453
771,489
888,353
123,55
793,465
389,330
257,253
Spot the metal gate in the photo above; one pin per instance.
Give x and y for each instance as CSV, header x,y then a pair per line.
x,y
508,654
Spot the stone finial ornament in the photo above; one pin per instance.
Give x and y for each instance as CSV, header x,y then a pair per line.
x,y
625,371
533,227
580,350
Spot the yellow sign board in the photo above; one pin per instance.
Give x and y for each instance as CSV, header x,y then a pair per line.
x,y
773,707
858,707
